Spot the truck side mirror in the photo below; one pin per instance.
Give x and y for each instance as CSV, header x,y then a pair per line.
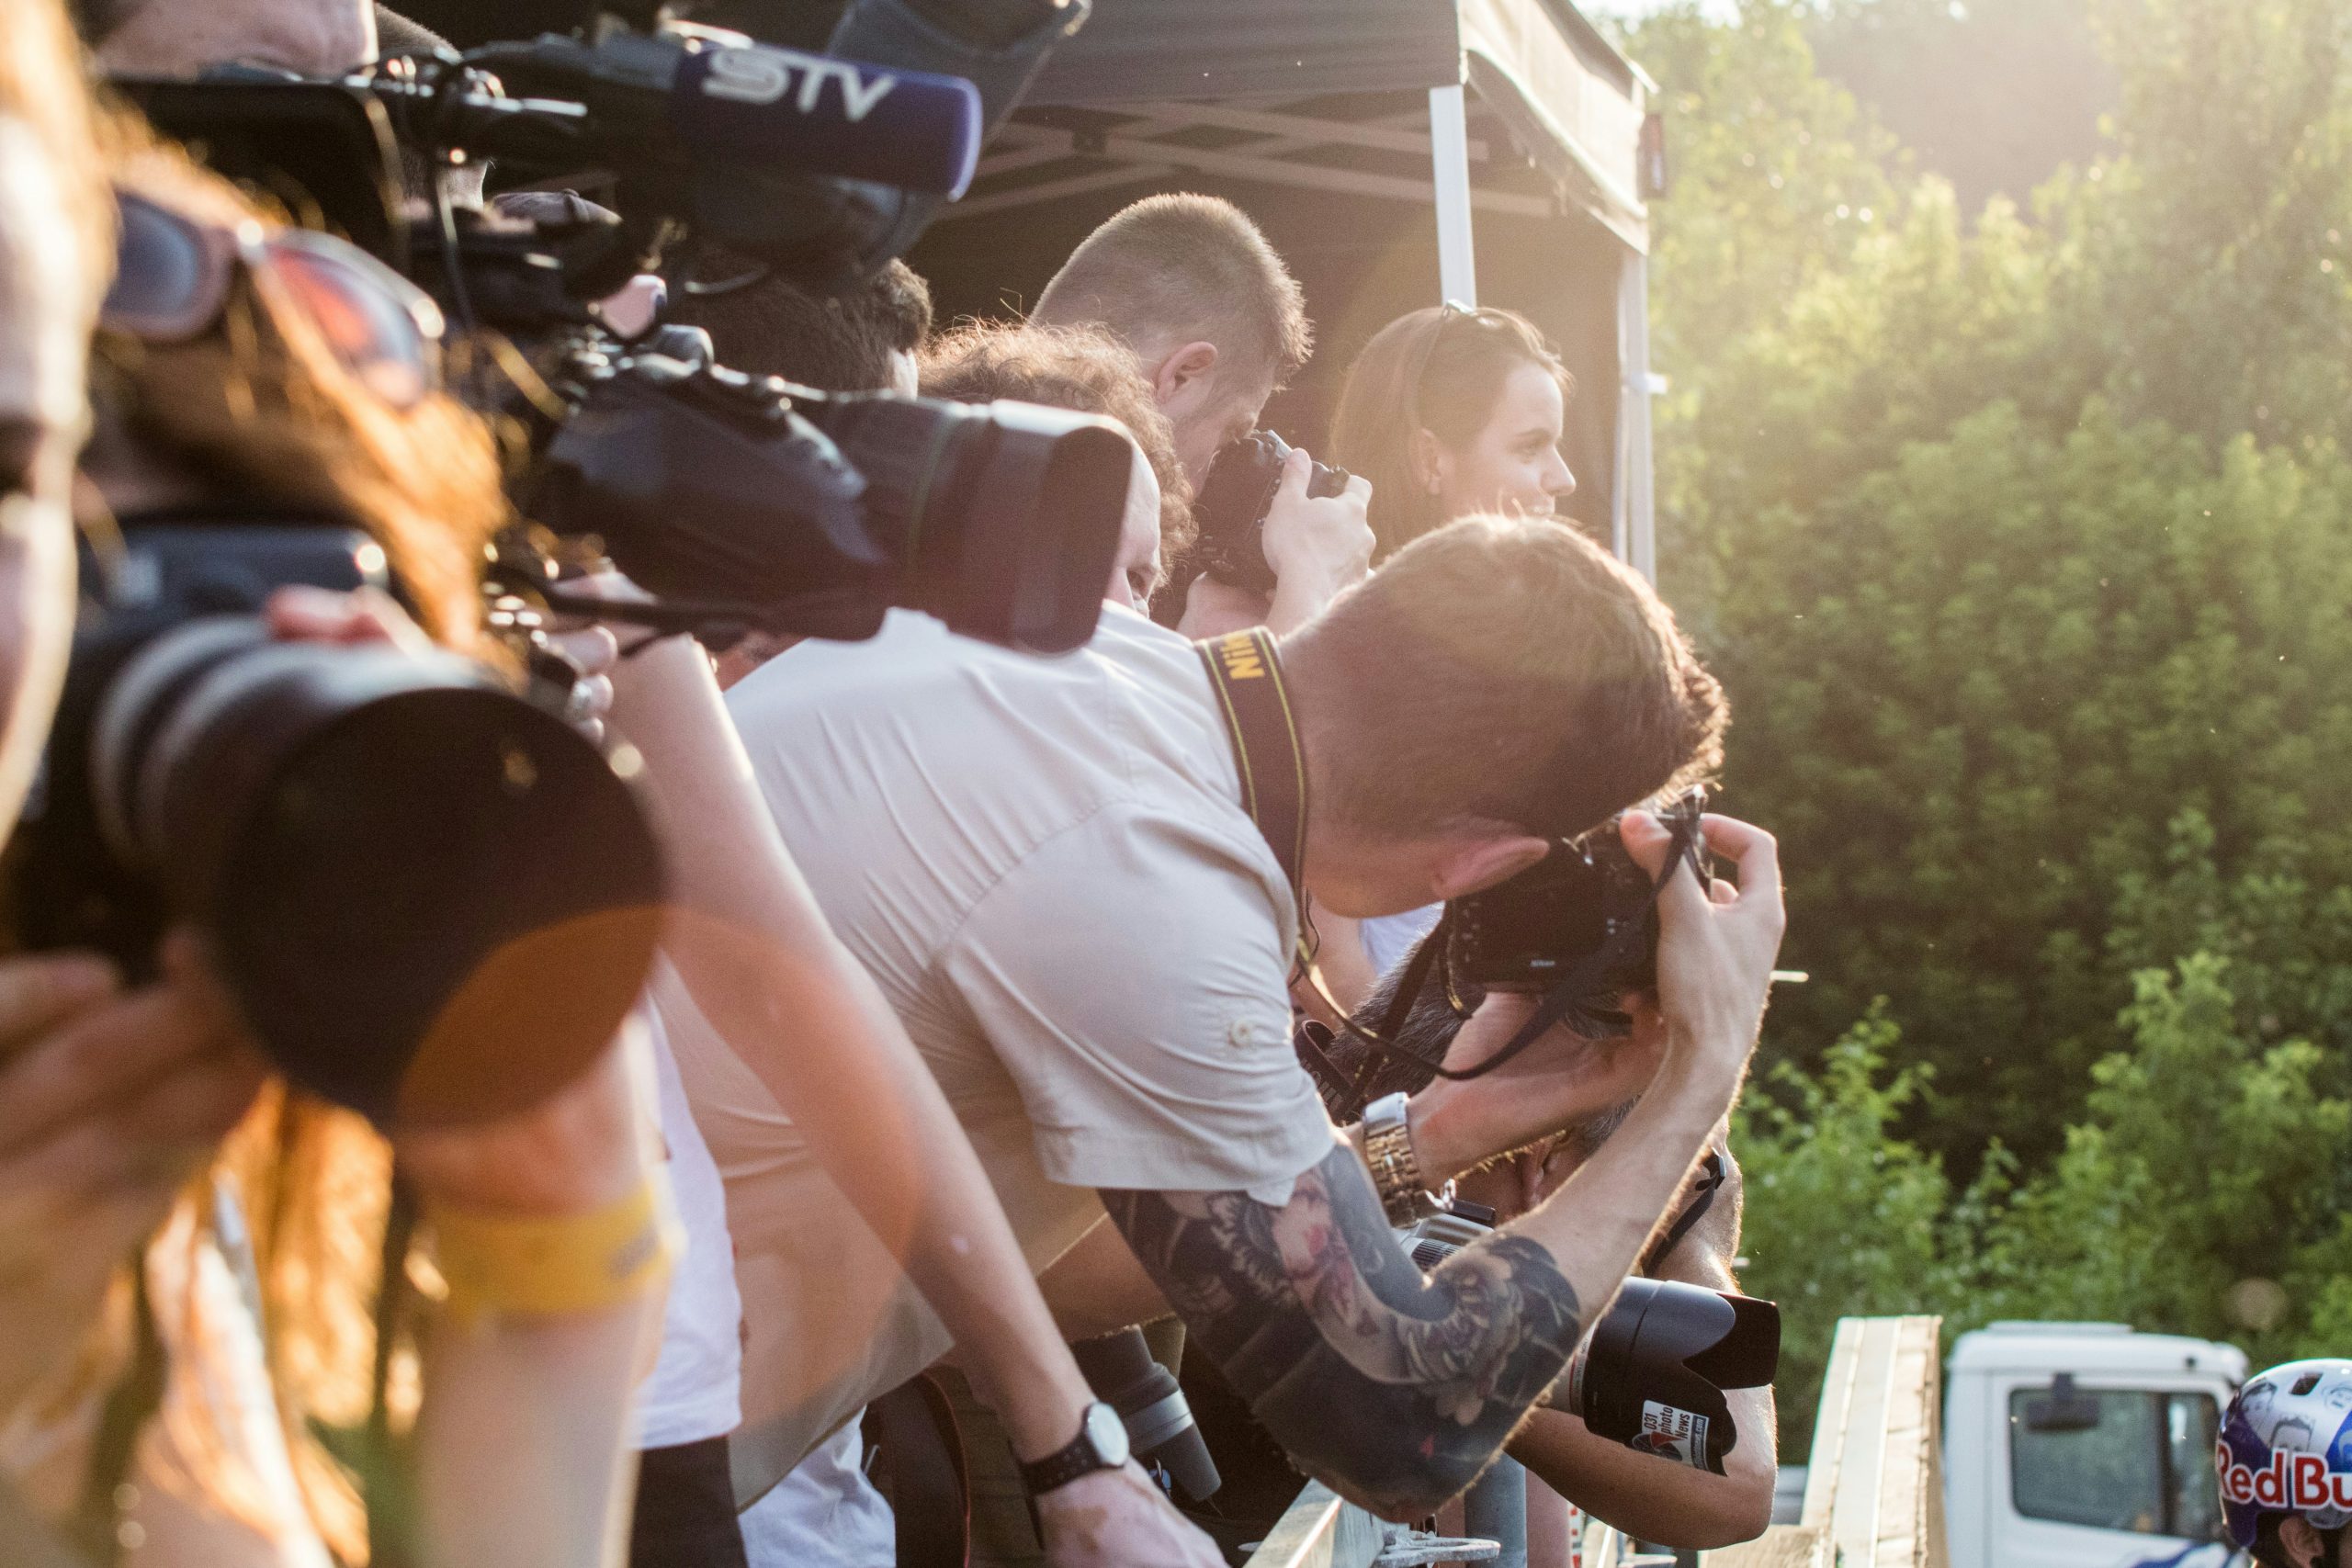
x,y
2067,1409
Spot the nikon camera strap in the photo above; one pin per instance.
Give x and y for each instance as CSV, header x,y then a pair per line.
x,y
1248,678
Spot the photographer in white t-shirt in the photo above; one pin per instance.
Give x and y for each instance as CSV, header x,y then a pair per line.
x,y
1047,868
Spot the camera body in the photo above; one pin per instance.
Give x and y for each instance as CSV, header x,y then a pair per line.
x,y
1529,932
432,900
1231,507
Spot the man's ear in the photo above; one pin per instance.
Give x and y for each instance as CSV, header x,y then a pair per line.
x,y
2300,1540
1472,861
1179,369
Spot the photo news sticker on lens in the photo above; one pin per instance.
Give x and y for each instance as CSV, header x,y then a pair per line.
x,y
1673,1433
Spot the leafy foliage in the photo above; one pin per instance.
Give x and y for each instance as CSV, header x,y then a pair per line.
x,y
2020,533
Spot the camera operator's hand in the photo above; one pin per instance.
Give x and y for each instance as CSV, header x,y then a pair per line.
x,y
1560,1079
1716,945
109,1102
1116,1517
1316,545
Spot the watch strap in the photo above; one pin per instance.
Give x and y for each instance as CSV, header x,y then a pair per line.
x,y
1073,1459
1388,1151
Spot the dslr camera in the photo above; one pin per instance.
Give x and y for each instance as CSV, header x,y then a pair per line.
x,y
1585,906
1231,508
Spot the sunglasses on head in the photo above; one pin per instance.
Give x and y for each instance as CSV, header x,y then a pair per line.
x,y
1447,314
173,274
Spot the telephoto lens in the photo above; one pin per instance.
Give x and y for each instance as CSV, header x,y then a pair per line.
x,y
1654,1376
1120,1368
1231,508
432,900
1652,1371
812,514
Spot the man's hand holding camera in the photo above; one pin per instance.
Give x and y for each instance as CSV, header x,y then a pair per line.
x,y
1314,544
1715,948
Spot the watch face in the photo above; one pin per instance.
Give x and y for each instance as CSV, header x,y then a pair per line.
x,y
1106,1434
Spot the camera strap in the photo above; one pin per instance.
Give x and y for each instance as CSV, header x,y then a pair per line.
x,y
1693,1213
1247,676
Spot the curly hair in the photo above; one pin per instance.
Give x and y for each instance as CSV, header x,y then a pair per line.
x,y
1081,368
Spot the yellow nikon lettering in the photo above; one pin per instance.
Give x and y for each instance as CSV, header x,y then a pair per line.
x,y
1242,660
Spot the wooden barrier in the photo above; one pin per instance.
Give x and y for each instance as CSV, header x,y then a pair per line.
x,y
1873,1496
1319,1531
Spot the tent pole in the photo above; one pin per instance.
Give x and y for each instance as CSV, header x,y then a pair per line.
x,y
1457,273
1634,505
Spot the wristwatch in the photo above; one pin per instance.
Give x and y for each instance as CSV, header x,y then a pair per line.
x,y
1100,1444
1388,1150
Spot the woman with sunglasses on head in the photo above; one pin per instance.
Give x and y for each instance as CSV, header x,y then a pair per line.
x,y
1449,411
183,1409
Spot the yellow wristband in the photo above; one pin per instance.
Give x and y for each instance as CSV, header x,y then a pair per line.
x,y
501,1264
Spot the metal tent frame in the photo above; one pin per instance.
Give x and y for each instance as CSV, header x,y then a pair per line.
x,y
1513,109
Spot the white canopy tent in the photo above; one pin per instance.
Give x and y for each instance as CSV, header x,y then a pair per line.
x,y
1514,122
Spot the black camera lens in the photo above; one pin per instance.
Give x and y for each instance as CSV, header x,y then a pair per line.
x,y
1230,510
1004,516
1654,1376
433,901
813,513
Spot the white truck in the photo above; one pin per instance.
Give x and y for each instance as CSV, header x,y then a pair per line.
x,y
2084,1445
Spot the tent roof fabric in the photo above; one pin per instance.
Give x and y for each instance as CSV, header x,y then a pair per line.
x,y
1571,100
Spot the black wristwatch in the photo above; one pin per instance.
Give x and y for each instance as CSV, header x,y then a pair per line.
x,y
1100,1444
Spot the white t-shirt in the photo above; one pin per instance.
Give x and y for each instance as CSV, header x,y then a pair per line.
x,y
826,1514
694,1391
1388,939
1045,864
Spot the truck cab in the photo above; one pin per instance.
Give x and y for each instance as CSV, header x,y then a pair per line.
x,y
2083,1445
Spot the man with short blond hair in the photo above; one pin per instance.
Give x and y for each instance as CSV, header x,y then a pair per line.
x,y
1202,298
1194,291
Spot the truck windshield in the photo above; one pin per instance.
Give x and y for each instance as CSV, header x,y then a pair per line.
x,y
2146,1466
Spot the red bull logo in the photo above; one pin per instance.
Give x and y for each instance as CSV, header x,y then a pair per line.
x,y
2291,1481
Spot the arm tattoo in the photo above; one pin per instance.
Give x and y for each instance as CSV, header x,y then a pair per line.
x,y
1394,1387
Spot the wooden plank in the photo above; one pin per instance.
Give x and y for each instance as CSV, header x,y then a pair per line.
x,y
1783,1546
1319,1531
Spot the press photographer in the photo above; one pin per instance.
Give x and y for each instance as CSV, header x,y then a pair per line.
x,y
1100,794
160,1414
1192,288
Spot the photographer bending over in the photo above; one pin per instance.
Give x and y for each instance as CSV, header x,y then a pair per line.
x,y
1047,866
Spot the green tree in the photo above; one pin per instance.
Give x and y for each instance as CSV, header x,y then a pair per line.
x,y
2000,597
2200,1193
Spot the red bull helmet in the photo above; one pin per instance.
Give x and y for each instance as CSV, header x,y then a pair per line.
x,y
2286,1448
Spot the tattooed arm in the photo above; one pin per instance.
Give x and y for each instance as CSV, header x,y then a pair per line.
x,y
1393,1388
